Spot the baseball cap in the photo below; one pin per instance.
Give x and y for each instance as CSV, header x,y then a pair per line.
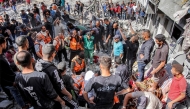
x,y
116,36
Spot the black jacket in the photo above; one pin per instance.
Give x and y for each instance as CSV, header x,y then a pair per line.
x,y
131,49
38,89
51,70
7,76
109,30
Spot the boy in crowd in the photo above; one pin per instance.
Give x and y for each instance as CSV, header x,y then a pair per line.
x,y
177,92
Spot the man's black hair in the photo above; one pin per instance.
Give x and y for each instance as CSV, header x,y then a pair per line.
x,y
97,72
106,19
69,24
160,37
2,40
147,31
23,58
81,55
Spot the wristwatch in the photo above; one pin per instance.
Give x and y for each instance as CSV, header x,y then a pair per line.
x,y
123,107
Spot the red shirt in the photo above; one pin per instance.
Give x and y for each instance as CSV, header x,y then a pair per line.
x,y
177,87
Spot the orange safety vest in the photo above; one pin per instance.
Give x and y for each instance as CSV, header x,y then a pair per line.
x,y
79,82
79,67
57,46
74,45
46,39
116,99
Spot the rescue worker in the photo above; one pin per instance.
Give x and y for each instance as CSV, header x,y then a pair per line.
x,y
79,84
75,45
45,35
38,45
78,64
88,47
59,44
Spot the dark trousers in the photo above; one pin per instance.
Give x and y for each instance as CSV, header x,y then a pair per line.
x,y
130,63
59,54
100,43
16,94
10,41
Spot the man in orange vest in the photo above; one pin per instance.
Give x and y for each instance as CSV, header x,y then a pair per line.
x,y
59,44
78,64
75,45
46,37
38,46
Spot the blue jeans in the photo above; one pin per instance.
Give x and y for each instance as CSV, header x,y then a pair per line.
x,y
141,66
16,94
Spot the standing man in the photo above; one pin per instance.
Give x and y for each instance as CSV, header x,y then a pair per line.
x,y
24,31
31,18
58,27
104,86
37,87
116,30
117,47
144,53
75,45
68,7
88,47
46,65
7,79
100,36
25,19
109,34
23,45
160,58
45,35
59,44
131,48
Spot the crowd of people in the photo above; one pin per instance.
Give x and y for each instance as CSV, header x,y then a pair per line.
x,y
34,72
125,11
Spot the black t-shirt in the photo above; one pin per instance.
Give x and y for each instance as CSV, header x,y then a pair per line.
x,y
38,89
131,49
68,82
109,30
104,88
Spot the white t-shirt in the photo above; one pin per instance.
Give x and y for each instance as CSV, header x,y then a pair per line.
x,y
134,8
152,101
